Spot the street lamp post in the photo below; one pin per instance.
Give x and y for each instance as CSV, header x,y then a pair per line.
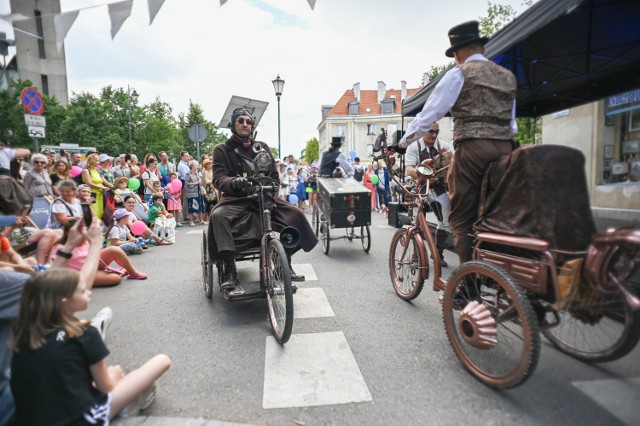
x,y
129,112
278,85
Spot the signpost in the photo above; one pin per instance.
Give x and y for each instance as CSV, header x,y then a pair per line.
x,y
198,134
33,104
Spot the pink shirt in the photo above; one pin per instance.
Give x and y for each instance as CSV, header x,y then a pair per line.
x,y
78,255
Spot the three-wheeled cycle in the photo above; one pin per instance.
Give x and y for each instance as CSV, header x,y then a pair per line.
x,y
342,203
532,271
275,277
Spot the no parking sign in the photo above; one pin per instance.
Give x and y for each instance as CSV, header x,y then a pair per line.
x,y
32,101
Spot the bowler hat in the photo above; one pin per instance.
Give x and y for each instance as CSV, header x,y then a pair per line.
x,y
463,35
336,140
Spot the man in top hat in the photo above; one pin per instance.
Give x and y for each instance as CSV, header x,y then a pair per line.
x,y
481,97
333,158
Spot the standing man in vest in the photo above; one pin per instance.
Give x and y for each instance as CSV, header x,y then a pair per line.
x,y
481,97
428,148
333,158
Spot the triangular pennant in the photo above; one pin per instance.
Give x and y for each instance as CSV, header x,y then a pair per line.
x,y
312,3
13,17
118,13
222,2
62,24
154,8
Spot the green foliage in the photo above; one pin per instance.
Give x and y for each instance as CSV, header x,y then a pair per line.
x,y
103,121
526,129
435,70
498,16
312,150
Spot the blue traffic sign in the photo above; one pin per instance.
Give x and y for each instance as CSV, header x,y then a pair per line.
x,y
32,101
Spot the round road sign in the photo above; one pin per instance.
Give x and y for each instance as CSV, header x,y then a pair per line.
x,y
32,101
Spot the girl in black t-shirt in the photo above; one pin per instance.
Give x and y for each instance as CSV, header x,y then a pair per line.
x,y
59,375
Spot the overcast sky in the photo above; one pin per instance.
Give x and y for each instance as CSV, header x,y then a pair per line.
x,y
196,50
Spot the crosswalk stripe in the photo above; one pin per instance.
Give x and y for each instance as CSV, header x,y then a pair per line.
x,y
296,376
311,303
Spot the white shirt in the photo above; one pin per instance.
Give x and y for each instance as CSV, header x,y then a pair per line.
x,y
6,155
442,99
412,156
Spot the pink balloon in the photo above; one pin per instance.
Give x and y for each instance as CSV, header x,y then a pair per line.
x,y
138,227
75,171
176,185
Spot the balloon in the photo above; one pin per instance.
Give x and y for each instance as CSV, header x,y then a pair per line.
x,y
75,171
134,184
176,185
138,227
293,199
352,154
375,179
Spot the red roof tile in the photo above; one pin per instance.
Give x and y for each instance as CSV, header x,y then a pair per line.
x,y
368,99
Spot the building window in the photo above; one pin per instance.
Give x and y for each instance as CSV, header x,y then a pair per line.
x,y
40,32
354,108
620,154
45,84
371,129
339,130
388,106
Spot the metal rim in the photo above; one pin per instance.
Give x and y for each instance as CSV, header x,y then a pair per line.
x,y
365,238
279,292
406,277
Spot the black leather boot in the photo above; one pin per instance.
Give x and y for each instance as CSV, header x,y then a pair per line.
x,y
294,277
230,272
441,241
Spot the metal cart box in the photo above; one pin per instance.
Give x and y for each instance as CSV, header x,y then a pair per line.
x,y
344,202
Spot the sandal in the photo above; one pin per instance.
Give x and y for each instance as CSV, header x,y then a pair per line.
x,y
137,275
164,242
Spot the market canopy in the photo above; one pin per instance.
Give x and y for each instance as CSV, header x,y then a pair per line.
x,y
564,53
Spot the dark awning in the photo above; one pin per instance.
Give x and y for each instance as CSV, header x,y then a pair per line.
x,y
564,53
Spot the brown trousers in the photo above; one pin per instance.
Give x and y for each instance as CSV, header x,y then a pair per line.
x,y
470,160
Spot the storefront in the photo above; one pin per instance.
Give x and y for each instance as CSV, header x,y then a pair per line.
x,y
621,154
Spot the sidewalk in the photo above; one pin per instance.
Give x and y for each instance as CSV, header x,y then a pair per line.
x,y
170,421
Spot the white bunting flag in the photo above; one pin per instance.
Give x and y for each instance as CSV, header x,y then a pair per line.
x,y
118,13
154,8
62,24
312,3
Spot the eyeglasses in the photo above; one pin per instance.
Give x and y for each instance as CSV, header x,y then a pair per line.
x,y
435,132
245,120
39,162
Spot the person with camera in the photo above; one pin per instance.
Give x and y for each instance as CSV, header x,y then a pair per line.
x,y
234,220
428,148
481,97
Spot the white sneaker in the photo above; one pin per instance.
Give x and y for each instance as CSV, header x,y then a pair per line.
x,y
102,320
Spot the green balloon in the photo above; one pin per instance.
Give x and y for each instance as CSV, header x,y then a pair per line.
x,y
134,184
374,179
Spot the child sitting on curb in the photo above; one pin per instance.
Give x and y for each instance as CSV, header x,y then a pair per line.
x,y
119,235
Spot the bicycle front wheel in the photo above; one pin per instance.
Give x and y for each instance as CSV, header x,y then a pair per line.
x,y
405,271
279,292
315,218
491,325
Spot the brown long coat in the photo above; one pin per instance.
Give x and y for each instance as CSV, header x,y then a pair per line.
x,y
230,161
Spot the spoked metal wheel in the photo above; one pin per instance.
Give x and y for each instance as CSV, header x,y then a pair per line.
x,y
325,235
601,326
491,325
365,238
207,266
405,271
279,292
315,219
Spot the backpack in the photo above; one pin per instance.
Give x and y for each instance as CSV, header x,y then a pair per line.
x,y
358,173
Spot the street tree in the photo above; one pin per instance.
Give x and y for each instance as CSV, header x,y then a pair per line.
x,y
312,150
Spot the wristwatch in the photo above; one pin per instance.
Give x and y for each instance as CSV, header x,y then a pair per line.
x,y
64,254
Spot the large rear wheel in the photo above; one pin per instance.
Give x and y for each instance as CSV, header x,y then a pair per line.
x,y
600,326
207,267
405,271
325,235
491,325
279,292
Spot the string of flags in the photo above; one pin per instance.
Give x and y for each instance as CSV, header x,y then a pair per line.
x,y
119,12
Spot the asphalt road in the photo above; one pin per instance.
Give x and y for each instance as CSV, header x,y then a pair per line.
x,y
223,358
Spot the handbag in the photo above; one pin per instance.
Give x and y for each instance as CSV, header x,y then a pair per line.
x,y
210,193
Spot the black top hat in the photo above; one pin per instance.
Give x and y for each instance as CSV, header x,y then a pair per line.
x,y
336,140
463,35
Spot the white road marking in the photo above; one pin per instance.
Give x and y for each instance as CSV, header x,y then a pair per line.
x,y
311,370
385,227
305,269
311,303
621,397
194,231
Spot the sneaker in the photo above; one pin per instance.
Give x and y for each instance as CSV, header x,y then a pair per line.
x,y
142,402
41,268
102,320
192,224
179,225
